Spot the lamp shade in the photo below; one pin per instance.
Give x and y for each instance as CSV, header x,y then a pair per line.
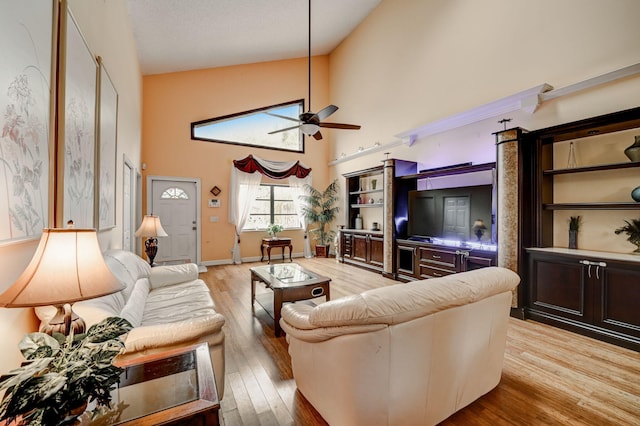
x,y
150,227
67,267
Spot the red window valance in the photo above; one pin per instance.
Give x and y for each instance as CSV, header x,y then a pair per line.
x,y
250,164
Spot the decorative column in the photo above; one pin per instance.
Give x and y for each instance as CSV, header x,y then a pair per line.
x,y
509,173
388,226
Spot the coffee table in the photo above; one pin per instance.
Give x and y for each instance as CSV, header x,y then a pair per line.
x,y
290,282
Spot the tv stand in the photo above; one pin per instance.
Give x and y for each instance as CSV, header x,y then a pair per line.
x,y
419,260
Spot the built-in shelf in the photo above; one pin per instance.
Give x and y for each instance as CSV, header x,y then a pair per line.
x,y
368,191
447,171
599,167
593,206
362,205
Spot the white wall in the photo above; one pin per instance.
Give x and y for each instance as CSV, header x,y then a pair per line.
x,y
106,28
412,62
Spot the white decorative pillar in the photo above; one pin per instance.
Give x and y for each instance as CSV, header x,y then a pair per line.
x,y
508,215
388,226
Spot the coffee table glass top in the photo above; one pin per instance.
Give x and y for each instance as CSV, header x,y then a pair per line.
x,y
289,273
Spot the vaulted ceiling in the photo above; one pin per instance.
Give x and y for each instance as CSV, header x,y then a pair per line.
x,y
180,35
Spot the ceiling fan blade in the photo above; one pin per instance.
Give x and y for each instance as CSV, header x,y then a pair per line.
x,y
283,130
283,116
340,126
317,135
326,111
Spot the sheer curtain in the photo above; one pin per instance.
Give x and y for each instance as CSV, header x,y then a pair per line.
x,y
244,189
297,189
246,175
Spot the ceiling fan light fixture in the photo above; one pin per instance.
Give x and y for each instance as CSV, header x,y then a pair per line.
x,y
309,128
310,122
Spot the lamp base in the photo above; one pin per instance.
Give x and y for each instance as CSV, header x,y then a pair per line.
x,y
65,321
151,249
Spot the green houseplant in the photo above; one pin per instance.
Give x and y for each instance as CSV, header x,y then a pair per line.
x,y
320,208
632,229
62,374
273,229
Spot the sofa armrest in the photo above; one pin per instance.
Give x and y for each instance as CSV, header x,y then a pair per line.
x,y
172,274
295,322
159,335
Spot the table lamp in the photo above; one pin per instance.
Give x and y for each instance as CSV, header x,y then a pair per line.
x,y
67,267
151,228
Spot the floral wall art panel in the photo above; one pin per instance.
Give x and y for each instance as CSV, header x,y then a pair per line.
x,y
107,135
26,29
79,128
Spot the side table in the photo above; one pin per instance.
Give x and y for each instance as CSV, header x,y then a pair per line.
x,y
175,387
269,243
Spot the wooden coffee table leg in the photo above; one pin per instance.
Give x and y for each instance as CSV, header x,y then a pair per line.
x,y
277,308
253,291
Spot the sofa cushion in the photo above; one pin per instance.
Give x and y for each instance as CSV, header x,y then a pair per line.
x,y
173,274
127,268
178,302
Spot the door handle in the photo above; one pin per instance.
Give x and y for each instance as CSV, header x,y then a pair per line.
x,y
194,228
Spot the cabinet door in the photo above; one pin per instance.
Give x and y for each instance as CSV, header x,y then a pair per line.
x,y
376,251
406,261
477,261
359,250
559,287
617,296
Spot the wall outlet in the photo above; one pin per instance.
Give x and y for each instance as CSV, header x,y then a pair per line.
x,y
213,218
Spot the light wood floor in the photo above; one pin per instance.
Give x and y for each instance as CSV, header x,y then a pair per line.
x,y
550,376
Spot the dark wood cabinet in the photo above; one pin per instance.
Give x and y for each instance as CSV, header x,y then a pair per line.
x,y
362,248
590,295
418,260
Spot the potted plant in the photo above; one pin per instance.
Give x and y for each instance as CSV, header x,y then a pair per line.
x,y
273,229
63,374
320,208
632,229
574,227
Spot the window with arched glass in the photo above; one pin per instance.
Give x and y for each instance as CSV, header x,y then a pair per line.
x,y
174,193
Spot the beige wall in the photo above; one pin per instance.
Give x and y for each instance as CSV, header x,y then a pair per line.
x,y
409,63
413,62
106,28
173,101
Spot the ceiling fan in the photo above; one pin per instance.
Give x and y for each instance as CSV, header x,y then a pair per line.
x,y
310,122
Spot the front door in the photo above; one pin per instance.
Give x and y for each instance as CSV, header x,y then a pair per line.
x,y
175,202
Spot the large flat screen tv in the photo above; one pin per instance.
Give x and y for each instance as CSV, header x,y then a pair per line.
x,y
451,213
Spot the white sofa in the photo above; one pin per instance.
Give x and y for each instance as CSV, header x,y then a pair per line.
x,y
407,354
169,306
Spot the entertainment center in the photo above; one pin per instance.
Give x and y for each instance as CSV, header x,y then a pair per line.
x,y
541,180
433,232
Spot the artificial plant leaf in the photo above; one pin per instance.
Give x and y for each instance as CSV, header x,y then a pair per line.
x,y
107,329
23,374
32,342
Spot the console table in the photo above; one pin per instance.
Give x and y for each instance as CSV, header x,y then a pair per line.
x,y
269,243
